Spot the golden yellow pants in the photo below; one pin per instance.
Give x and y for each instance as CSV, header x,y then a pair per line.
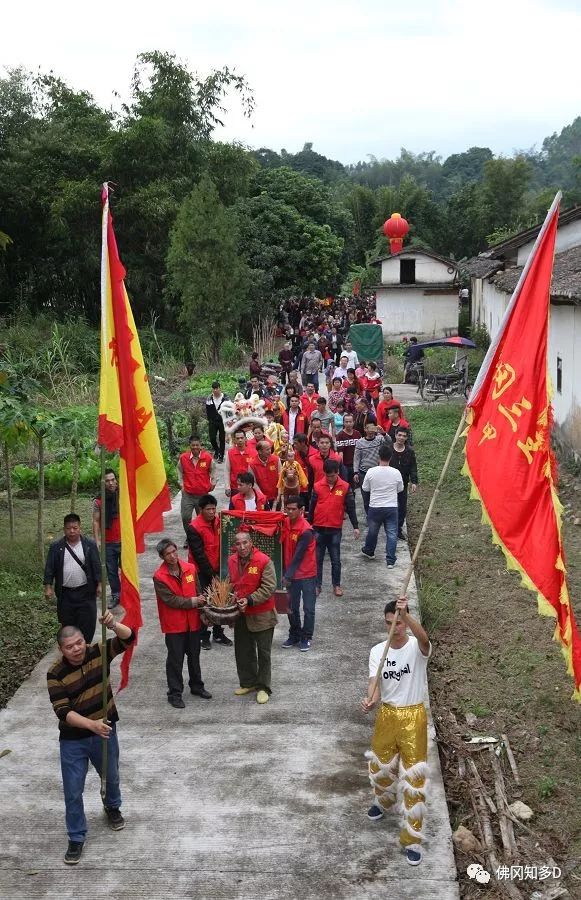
x,y
398,765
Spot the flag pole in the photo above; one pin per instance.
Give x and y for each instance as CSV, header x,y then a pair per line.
x,y
423,532
104,680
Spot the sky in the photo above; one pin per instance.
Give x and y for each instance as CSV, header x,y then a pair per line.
x,y
354,77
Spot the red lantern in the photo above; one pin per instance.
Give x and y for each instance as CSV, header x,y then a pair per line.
x,y
395,229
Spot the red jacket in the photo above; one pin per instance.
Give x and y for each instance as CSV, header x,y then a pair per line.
x,y
239,462
307,568
210,534
238,502
301,422
330,506
176,621
112,534
248,581
266,475
316,462
196,475
309,405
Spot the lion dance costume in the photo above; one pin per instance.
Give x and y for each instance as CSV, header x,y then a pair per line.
x,y
399,749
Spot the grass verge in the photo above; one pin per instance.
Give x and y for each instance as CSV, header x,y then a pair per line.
x,y
494,655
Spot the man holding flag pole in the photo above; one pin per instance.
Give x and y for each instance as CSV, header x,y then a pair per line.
x,y
127,425
509,419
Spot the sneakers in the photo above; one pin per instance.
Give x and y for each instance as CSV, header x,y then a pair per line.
x,y
413,855
242,691
113,602
375,812
74,853
176,702
116,820
391,565
366,553
290,642
305,645
262,697
222,639
206,645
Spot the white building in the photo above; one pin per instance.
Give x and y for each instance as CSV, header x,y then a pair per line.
x,y
418,294
494,275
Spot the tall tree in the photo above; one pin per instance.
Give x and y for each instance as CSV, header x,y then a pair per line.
x,y
206,275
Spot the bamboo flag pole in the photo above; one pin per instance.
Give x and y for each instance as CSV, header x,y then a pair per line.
x,y
105,680
423,532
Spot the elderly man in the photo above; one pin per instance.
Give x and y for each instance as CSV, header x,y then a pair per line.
x,y
178,607
253,579
74,567
73,683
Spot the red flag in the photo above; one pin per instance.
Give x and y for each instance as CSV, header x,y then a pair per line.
x,y
508,446
127,423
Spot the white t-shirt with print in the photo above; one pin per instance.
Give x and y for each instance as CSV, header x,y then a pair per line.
x,y
403,681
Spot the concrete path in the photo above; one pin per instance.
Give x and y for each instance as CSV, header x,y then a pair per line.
x,y
227,799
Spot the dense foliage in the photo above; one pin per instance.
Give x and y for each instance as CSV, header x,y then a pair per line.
x,y
206,226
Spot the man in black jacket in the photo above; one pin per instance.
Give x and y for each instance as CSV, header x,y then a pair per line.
x,y
404,459
216,431
74,567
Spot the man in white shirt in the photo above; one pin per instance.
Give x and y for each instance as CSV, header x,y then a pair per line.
x,y
351,354
399,747
383,484
341,370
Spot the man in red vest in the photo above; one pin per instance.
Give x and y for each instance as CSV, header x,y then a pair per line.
x,y
294,419
266,468
300,573
238,460
319,454
179,617
309,400
196,475
248,498
203,534
331,499
253,578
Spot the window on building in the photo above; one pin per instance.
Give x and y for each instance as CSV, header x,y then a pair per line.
x,y
407,271
559,375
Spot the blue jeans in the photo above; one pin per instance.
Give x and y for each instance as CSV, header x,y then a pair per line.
x,y
306,587
75,756
376,517
329,539
113,560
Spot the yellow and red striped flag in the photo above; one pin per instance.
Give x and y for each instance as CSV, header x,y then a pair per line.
x,y
127,424
509,459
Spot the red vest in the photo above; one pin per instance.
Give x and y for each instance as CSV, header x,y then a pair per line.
x,y
301,422
307,568
330,506
239,462
112,534
210,534
316,462
266,475
239,503
248,581
176,621
196,475
309,404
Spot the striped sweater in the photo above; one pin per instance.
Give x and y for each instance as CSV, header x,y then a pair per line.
x,y
78,688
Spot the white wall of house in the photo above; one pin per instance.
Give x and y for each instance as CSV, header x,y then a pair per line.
x,y
416,311
565,344
494,303
428,270
567,236
476,313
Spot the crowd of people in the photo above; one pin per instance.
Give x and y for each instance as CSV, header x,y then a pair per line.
x,y
309,459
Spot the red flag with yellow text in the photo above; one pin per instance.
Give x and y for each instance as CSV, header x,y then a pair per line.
x,y
127,424
508,446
